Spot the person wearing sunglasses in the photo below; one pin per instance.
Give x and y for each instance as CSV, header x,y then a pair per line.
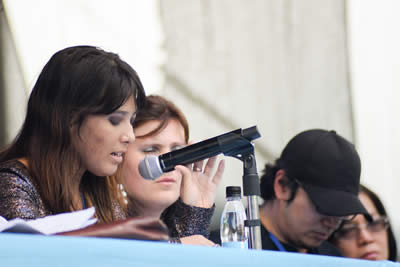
x,y
361,239
309,192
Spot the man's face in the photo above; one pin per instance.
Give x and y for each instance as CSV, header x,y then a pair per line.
x,y
301,225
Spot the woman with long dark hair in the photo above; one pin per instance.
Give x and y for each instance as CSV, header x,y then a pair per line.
x,y
77,128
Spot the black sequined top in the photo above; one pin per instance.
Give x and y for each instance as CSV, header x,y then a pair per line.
x,y
184,220
20,198
20,194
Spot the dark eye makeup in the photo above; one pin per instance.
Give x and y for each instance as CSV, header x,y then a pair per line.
x,y
115,119
133,118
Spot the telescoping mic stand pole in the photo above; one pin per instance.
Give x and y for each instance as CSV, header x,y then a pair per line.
x,y
242,149
251,189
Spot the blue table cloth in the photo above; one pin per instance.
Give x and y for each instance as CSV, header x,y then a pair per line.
x,y
39,250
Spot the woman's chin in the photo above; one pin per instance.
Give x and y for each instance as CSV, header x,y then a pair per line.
x,y
167,201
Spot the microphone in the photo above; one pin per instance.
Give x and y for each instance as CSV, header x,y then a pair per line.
x,y
232,143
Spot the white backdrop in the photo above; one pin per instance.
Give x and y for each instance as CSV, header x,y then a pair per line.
x,y
132,29
375,71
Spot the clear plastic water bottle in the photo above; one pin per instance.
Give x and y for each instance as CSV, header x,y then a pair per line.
x,y
233,232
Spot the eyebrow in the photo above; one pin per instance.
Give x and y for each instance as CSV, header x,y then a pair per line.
x,y
160,144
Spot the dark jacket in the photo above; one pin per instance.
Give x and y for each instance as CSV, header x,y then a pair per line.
x,y
325,248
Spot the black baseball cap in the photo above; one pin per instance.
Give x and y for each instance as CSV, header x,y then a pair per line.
x,y
328,167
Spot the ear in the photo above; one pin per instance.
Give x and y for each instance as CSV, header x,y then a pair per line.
x,y
282,190
73,130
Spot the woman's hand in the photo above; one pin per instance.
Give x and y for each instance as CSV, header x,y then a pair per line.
x,y
196,240
199,187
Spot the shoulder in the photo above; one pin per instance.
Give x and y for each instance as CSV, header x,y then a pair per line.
x,y
266,241
270,242
13,166
15,173
19,196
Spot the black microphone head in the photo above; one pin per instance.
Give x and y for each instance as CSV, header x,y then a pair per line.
x,y
150,168
251,133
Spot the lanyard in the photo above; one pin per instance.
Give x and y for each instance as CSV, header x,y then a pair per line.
x,y
276,242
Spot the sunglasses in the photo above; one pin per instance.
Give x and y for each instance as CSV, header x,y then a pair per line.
x,y
352,231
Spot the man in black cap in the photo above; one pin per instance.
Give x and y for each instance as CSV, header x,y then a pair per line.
x,y
311,189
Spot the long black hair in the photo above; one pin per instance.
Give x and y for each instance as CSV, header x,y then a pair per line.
x,y
76,82
381,210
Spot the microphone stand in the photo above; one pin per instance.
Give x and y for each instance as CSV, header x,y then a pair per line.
x,y
251,189
240,147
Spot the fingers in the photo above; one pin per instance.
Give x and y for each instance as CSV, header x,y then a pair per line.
x,y
220,171
198,166
208,169
210,166
189,166
184,170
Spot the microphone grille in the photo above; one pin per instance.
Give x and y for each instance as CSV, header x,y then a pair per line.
x,y
150,168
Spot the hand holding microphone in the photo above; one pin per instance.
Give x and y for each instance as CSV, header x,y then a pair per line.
x,y
199,187
230,144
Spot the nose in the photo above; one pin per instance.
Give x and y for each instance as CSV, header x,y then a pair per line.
x,y
128,135
364,236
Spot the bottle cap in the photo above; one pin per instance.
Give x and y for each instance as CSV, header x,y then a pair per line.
x,y
233,191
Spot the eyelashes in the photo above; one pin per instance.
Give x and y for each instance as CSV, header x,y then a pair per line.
x,y
133,118
115,120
